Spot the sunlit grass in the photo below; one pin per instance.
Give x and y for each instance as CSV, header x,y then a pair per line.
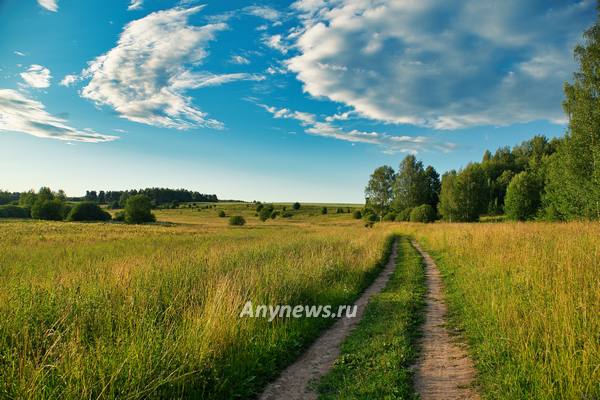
x,y
528,299
116,311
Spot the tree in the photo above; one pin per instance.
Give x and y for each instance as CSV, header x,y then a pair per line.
x,y
48,209
87,211
324,210
379,190
296,206
102,197
404,215
523,197
423,213
138,209
265,212
410,189
573,188
432,187
464,194
357,214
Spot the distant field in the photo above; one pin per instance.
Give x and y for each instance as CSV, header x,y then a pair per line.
x,y
99,310
528,299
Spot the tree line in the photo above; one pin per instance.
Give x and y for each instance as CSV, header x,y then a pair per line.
x,y
557,179
158,196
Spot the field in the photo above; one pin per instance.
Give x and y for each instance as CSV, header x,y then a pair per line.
x,y
108,310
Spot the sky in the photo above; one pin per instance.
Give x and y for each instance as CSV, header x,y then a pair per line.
x,y
273,101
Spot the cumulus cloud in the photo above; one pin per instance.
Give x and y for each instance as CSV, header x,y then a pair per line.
x,y
22,114
135,5
69,80
390,144
444,65
275,42
37,76
145,76
50,5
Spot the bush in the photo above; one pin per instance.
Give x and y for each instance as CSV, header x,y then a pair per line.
x,y
87,211
389,217
324,210
339,210
52,210
265,212
259,207
296,206
404,215
287,215
371,218
274,214
120,216
357,214
138,210
222,214
11,211
237,220
423,213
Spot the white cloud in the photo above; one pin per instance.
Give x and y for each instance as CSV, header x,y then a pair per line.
x,y
19,113
68,80
237,59
135,5
18,53
445,65
145,76
390,144
37,76
275,42
264,12
50,5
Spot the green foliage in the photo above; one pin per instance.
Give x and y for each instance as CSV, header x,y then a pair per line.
x,y
265,212
120,216
296,206
114,205
274,214
138,209
423,213
221,214
87,211
12,211
357,214
237,220
259,207
404,215
324,210
287,214
389,217
464,194
48,209
573,188
523,197
379,192
371,217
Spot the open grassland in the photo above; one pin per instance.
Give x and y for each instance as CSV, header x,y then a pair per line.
x,y
103,310
375,361
528,299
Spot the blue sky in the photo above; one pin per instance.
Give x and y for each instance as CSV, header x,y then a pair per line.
x,y
274,101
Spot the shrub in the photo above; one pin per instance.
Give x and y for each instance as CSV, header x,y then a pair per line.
x,y
87,211
48,209
222,214
237,220
404,215
296,206
339,210
423,213
265,212
138,210
357,214
389,217
274,214
324,210
120,216
11,211
287,215
371,218
259,207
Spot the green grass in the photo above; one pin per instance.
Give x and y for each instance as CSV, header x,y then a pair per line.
x,y
376,358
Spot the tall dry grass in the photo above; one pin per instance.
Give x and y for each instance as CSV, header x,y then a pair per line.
x,y
528,298
115,311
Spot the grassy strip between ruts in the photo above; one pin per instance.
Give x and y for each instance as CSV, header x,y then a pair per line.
x,y
376,358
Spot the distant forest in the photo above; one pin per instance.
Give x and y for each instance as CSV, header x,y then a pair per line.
x,y
158,196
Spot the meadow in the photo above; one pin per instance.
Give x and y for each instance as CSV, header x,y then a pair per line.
x,y
106,310
109,310
526,296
